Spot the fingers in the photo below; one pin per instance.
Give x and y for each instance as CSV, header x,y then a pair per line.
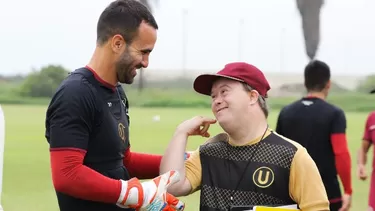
x,y
206,134
170,208
173,203
362,176
203,132
205,128
344,209
163,181
346,203
207,120
173,177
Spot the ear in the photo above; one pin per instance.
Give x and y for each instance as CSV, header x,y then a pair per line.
x,y
253,95
328,86
118,44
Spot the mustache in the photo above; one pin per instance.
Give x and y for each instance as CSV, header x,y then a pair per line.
x,y
139,66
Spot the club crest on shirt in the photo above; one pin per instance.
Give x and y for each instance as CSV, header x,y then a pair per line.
x,y
121,131
263,177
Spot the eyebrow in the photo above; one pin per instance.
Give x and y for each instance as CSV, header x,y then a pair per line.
x,y
147,50
224,85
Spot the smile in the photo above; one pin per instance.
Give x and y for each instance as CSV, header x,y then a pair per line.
x,y
220,109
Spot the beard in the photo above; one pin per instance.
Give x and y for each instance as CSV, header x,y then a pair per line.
x,y
125,66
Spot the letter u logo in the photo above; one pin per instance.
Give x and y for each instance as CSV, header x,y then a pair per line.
x,y
263,177
264,180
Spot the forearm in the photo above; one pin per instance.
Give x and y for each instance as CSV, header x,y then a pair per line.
x,y
142,165
72,178
342,160
362,157
173,159
343,166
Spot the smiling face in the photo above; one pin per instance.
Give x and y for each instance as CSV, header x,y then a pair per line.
x,y
136,55
234,105
230,101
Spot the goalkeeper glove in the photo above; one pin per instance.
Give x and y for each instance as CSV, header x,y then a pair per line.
x,y
150,195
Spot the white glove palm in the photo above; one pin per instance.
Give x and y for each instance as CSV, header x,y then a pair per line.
x,y
151,195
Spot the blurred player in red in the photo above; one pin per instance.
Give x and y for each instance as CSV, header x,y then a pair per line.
x,y
367,140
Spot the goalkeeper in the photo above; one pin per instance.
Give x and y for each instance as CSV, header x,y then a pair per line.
x,y
87,123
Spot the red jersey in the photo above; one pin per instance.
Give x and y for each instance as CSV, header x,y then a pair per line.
x,y
369,135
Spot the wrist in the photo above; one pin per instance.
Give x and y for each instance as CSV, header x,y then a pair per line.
x,y
349,192
180,135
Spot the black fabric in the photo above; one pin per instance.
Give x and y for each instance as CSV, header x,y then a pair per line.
x,y
87,115
311,122
267,177
335,206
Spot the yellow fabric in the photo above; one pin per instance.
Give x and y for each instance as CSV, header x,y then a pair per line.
x,y
260,208
305,184
193,170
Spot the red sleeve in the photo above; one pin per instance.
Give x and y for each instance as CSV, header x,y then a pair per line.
x,y
71,177
342,160
142,166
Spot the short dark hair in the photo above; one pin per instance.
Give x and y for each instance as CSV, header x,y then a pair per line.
x,y
317,75
123,17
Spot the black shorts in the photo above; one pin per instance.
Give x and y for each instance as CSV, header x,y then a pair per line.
x,y
335,206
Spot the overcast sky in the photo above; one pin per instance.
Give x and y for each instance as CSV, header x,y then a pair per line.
x,y
39,32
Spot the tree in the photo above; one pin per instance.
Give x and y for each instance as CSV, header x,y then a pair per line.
x,y
310,15
367,84
43,83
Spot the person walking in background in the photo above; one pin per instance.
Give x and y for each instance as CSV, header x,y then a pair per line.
x,y
321,128
368,140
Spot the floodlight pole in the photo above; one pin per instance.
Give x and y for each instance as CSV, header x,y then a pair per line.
x,y
184,40
282,45
241,29
2,145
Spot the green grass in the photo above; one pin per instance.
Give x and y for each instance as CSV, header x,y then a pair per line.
x,y
27,179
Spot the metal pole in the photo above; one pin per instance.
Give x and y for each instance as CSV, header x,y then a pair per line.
x,y
184,40
282,36
240,37
2,145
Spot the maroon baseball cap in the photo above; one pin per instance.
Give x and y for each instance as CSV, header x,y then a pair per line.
x,y
238,71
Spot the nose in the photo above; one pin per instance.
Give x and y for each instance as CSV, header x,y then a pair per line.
x,y
216,101
145,61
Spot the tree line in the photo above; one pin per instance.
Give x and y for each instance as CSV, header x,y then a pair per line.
x,y
43,83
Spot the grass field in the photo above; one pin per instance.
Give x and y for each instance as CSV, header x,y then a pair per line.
x,y
27,181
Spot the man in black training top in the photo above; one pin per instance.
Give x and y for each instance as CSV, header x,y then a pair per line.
x,y
87,123
320,127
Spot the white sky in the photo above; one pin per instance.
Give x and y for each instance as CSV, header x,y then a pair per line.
x,y
39,32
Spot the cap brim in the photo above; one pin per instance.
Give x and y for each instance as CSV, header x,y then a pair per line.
x,y
203,83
